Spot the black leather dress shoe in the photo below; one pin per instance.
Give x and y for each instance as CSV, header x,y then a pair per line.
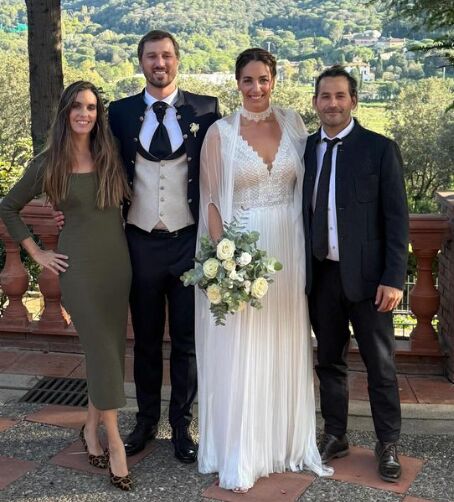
x,y
138,438
332,447
388,462
185,448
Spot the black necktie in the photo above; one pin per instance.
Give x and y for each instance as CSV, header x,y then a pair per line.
x,y
320,216
160,145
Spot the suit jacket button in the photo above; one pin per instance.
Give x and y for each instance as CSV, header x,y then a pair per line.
x,y
189,159
178,117
132,162
141,118
135,140
190,180
189,201
185,136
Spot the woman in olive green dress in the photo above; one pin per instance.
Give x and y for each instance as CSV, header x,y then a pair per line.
x,y
81,174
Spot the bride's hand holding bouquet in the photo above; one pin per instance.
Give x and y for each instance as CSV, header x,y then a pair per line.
x,y
233,272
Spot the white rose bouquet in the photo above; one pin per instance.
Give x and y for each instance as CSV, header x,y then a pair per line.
x,y
233,272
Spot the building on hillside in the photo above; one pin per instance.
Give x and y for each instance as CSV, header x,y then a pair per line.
x,y
362,67
390,43
365,42
211,78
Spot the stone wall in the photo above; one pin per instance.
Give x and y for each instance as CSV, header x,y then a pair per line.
x,y
446,285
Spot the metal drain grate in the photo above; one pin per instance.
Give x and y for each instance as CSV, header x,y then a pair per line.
x,y
64,391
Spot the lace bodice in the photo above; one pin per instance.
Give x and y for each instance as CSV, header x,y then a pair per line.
x,y
257,185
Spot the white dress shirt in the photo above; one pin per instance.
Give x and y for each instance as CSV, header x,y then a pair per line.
x,y
333,240
150,122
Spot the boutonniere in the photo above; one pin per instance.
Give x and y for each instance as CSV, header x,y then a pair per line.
x,y
194,128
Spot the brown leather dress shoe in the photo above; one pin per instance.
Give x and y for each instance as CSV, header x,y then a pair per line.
x,y
332,447
388,462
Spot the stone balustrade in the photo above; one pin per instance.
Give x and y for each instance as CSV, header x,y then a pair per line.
x,y
427,235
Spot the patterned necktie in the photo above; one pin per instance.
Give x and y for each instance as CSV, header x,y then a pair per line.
x,y
320,216
160,145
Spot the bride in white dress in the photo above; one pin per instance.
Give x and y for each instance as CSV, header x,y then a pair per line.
x,y
256,395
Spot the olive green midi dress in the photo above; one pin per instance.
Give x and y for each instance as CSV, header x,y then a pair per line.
x,y
95,286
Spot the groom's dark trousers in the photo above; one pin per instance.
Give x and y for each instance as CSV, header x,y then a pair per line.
x,y
372,226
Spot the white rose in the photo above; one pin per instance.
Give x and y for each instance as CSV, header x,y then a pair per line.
x,y
259,287
225,249
272,265
235,276
229,265
214,294
210,268
244,259
247,286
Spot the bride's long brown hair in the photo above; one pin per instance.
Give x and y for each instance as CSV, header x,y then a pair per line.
x,y
59,153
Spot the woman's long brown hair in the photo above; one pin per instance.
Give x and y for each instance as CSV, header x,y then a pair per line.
x,y
59,153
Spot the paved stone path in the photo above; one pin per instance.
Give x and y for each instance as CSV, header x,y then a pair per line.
x,y
42,460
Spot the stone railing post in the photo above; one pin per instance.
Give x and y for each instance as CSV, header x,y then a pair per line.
x,y
39,216
427,232
14,281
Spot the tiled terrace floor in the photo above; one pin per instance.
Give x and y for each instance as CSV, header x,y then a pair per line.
x,y
41,459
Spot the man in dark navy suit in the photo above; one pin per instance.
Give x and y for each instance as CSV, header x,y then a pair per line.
x,y
160,132
356,225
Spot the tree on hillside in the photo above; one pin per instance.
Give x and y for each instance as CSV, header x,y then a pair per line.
x,y
424,132
435,14
45,64
432,13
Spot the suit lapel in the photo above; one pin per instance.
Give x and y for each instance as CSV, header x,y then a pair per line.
x,y
187,116
346,151
310,174
134,116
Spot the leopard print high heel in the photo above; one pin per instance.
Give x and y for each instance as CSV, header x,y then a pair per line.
x,y
99,461
122,482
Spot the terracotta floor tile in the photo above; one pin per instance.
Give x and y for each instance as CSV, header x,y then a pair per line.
x,y
61,416
129,369
7,357
6,423
45,364
415,499
360,467
13,469
79,371
75,457
406,392
357,382
285,487
432,390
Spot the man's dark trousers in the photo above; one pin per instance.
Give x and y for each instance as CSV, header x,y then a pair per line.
x,y
330,312
158,260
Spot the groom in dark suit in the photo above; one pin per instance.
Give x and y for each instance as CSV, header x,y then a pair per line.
x,y
160,133
356,223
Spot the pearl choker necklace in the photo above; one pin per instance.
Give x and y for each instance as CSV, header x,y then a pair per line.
x,y
256,116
